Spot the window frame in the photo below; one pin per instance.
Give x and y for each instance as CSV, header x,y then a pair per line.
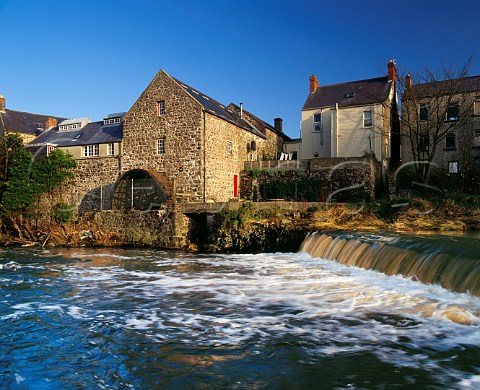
x,y
365,123
453,167
161,108
476,106
452,118
229,148
111,149
160,146
50,149
424,112
90,150
448,138
317,123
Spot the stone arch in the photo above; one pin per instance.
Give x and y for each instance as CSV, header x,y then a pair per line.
x,y
150,190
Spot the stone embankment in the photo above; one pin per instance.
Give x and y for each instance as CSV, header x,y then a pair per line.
x,y
249,227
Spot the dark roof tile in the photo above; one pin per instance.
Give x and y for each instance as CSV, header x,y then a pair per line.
x,y
23,122
364,92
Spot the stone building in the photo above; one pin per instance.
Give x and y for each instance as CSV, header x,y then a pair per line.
x,y
25,124
96,147
189,144
441,124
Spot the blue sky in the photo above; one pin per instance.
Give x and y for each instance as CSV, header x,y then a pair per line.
x,y
94,57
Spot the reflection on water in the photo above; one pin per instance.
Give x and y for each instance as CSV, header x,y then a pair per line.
x,y
143,319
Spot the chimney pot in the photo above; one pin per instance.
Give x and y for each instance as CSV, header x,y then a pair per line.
x,y
278,124
408,81
2,103
313,83
392,71
50,123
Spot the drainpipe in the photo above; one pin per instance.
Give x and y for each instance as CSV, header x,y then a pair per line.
x,y
337,114
204,158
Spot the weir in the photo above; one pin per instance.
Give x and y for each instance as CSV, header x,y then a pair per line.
x,y
422,258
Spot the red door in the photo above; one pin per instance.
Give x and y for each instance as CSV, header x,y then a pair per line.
x,y
235,186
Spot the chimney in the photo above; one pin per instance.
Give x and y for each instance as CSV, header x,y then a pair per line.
x,y
313,83
50,123
278,124
408,81
2,103
392,71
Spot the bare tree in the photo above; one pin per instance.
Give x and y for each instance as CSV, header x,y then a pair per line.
x,y
436,106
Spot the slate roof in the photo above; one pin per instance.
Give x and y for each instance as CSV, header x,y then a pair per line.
x,y
23,122
463,85
364,92
92,133
260,121
218,109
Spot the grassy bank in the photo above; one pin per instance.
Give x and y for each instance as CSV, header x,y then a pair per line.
x,y
277,229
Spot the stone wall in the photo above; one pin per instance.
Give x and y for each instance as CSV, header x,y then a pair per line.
x,y
223,161
329,178
94,182
180,126
166,228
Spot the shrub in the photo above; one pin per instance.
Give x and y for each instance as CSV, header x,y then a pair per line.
x,y
63,212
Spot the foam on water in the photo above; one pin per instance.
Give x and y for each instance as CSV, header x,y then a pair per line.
x,y
227,301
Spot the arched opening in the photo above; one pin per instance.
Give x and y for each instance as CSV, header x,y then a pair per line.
x,y
140,190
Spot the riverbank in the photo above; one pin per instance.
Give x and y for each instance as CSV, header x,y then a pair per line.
x,y
251,229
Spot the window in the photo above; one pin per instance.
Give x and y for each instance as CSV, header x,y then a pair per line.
x,y
453,112
350,95
367,119
111,121
161,108
453,167
476,106
450,141
317,122
476,139
111,149
90,151
423,142
229,147
161,146
50,149
424,112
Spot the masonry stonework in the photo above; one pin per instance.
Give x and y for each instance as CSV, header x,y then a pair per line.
x,y
179,127
94,182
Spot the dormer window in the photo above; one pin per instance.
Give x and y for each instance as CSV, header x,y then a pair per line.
x,y
70,126
111,121
350,95
73,124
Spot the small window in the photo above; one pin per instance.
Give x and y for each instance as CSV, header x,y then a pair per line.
x,y
450,141
476,139
453,167
111,149
476,106
424,112
453,112
229,147
50,149
161,108
367,119
423,143
350,95
161,146
317,122
90,151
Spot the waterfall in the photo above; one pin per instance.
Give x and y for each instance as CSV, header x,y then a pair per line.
x,y
453,265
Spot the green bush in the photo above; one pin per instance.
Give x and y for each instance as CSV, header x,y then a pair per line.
x,y
63,212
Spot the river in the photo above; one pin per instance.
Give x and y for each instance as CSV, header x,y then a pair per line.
x,y
155,319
